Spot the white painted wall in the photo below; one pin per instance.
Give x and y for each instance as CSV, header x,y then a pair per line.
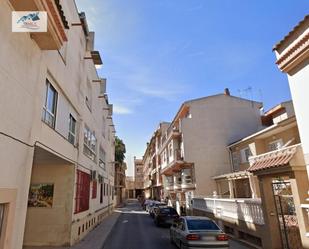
x,y
299,86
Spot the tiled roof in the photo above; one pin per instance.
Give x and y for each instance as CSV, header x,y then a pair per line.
x,y
272,159
291,32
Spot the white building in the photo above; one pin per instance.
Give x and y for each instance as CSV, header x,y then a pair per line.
x,y
56,130
293,58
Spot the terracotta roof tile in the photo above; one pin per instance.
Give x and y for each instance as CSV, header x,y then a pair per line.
x,y
276,47
271,160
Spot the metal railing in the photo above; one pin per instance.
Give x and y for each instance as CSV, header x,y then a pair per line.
x,y
248,210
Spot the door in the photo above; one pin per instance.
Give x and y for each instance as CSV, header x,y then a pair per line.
x,y
285,207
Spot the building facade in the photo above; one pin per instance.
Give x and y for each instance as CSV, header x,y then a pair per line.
x,y
193,149
138,177
293,58
130,187
182,156
259,201
56,133
120,183
152,177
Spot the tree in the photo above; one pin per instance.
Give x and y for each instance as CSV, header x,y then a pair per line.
x,y
120,150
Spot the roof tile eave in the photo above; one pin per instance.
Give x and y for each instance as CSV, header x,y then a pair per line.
x,y
280,43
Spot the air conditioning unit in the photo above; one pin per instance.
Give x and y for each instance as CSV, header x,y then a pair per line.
x,y
93,175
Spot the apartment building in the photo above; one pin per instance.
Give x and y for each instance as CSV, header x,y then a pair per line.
x,y
292,58
182,156
259,201
56,130
138,177
194,147
120,183
130,187
152,178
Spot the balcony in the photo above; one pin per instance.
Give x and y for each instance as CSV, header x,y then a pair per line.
x,y
171,133
177,181
55,36
231,210
175,163
180,181
187,179
169,183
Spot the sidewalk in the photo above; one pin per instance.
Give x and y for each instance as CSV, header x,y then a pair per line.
x,y
94,240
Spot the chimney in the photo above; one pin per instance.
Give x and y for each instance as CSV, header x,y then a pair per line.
x,y
227,92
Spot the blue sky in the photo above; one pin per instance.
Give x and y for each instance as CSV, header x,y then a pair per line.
x,y
157,54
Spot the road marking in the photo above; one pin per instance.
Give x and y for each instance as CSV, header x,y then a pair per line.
x,y
125,221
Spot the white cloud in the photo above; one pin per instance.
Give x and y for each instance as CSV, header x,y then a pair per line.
x,y
122,110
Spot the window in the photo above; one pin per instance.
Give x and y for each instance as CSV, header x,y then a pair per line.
x,y
90,143
201,225
72,130
82,192
102,158
50,106
170,149
1,219
94,189
275,145
245,154
235,160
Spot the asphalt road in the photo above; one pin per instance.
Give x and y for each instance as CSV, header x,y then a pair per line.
x,y
135,229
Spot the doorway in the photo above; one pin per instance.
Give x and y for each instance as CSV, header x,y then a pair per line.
x,y
285,207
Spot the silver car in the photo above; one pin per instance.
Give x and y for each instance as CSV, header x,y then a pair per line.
x,y
190,232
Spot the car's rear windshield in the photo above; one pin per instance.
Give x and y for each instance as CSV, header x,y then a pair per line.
x,y
168,211
202,225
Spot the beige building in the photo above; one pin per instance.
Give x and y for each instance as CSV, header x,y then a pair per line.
x,y
130,187
193,149
138,177
56,130
182,156
259,201
120,183
293,58
152,177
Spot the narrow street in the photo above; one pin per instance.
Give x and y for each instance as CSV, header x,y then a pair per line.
x,y
135,229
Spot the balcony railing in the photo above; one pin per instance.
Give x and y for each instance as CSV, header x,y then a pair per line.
x,y
248,210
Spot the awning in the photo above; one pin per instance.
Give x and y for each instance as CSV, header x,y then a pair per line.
x,y
272,159
234,176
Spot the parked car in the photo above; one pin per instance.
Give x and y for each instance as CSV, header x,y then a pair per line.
x,y
197,232
164,215
153,206
147,203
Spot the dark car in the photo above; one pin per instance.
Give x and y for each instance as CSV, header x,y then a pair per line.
x,y
153,206
165,215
